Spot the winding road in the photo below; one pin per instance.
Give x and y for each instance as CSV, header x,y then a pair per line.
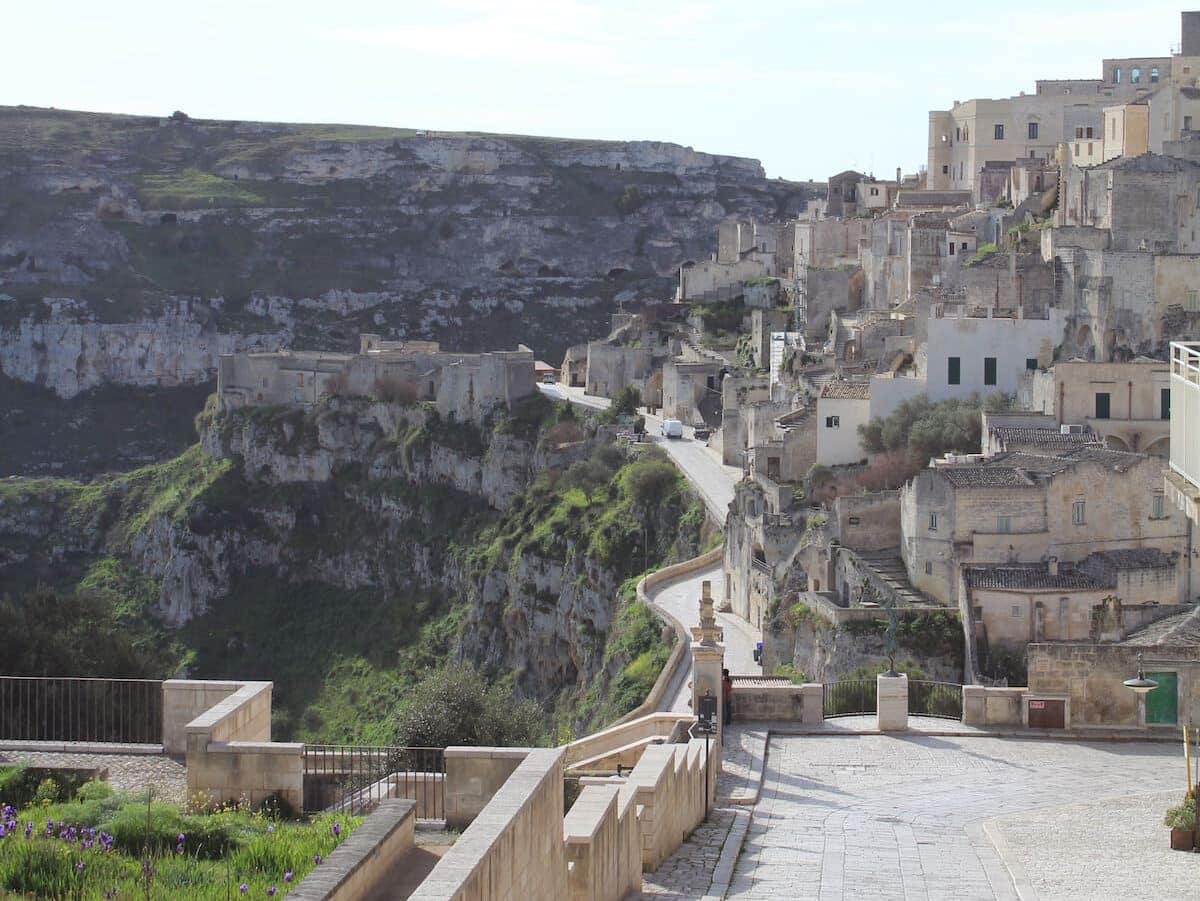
x,y
680,600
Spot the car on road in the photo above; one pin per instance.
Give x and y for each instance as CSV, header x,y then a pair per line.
x,y
701,434
672,428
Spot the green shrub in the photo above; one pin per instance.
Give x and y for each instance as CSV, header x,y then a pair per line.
x,y
16,785
48,791
456,706
1181,816
790,672
94,790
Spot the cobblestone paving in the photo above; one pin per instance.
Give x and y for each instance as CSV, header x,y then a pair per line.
x,y
1055,850
901,817
127,772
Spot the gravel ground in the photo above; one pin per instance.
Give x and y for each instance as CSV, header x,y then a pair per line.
x,y
127,772
1117,848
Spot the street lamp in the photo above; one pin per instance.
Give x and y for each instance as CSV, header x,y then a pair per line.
x,y
1140,683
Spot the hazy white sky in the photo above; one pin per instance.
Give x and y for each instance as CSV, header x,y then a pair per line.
x,y
807,87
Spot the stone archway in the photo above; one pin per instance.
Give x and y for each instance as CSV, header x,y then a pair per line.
x,y
1115,442
1160,447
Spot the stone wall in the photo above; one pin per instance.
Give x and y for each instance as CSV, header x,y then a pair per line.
x,y
868,522
985,706
230,754
473,776
757,700
514,850
183,701
603,843
1091,676
359,863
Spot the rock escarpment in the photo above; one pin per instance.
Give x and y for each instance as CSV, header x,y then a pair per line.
x,y
136,249
343,551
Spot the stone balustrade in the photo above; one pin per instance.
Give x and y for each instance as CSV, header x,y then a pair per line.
x,y
473,776
603,842
622,744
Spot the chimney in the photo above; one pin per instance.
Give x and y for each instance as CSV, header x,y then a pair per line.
x,y
1052,566
897,175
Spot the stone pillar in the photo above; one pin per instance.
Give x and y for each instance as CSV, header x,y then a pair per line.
x,y
708,658
891,702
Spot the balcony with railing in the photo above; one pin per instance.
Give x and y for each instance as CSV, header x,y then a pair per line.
x,y
1183,478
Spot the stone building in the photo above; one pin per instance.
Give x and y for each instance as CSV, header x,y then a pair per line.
x,y
1126,404
1033,507
465,386
842,407
1080,683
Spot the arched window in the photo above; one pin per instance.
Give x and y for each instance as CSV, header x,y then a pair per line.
x,y
1154,75
1135,75
1116,76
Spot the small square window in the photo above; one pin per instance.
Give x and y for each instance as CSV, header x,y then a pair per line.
x,y
833,422
1016,610
1031,363
1004,524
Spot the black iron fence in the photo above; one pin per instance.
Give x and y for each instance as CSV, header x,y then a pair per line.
x,y
849,698
35,708
354,779
942,699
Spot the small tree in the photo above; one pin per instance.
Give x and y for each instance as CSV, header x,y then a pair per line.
x,y
456,706
625,402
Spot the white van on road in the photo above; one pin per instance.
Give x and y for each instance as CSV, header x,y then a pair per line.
x,y
672,428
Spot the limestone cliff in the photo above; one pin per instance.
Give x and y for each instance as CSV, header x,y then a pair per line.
x,y
133,250
343,551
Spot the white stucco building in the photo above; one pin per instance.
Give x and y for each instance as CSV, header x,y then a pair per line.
x,y
841,408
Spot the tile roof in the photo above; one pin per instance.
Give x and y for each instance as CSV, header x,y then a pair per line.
x,y
984,476
1052,438
1090,453
1134,558
1149,162
1030,576
1180,629
1042,464
844,390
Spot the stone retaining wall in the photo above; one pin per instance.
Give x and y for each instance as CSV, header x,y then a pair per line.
x,y
679,653
358,864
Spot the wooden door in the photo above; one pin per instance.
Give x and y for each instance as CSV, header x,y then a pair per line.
x,y
1162,704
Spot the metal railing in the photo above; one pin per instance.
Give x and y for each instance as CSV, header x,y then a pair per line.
x,y
941,699
353,779
849,698
761,565
45,708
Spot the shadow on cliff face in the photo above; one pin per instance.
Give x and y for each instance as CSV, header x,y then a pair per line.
x,y
104,430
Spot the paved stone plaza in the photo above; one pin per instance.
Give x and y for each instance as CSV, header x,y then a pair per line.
x,y
877,816
846,814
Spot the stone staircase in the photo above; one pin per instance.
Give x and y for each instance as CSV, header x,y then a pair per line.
x,y
890,574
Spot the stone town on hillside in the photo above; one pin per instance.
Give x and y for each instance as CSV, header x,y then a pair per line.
x,y
963,403
1043,270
